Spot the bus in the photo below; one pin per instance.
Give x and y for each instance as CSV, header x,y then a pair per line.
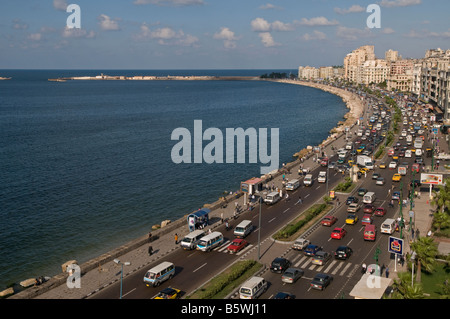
x,y
210,241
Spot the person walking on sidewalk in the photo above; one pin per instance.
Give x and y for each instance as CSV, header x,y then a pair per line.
x,y
150,250
176,238
387,272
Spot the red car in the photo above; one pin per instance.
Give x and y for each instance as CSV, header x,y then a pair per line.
x,y
328,220
367,219
338,233
236,245
369,208
380,211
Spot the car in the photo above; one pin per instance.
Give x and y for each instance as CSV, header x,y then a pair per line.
x,y
328,220
236,245
284,295
338,233
368,209
351,219
380,181
382,165
367,219
396,177
291,275
380,211
279,265
396,195
375,175
311,250
393,165
353,208
415,167
321,258
300,243
343,252
321,281
351,199
168,293
362,191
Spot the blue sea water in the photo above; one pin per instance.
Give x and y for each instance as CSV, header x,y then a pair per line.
x,y
85,166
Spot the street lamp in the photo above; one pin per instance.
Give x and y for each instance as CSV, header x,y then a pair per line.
x,y
127,263
259,226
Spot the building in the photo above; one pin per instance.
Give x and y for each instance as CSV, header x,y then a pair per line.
x,y
372,71
391,56
401,75
354,60
308,73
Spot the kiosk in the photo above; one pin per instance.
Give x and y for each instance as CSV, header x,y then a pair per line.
x,y
198,219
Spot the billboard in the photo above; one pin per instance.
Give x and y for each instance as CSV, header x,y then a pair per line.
x,y
433,179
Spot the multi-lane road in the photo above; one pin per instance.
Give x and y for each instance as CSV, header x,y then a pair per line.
x,y
193,268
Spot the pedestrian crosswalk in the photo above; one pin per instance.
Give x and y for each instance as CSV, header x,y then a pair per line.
x,y
333,267
223,248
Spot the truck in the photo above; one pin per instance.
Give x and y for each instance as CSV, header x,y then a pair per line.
x,y
364,161
322,177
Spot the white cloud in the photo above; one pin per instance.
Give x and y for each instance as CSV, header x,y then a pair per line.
x,y
108,24
77,33
352,33
388,31
269,6
399,3
317,21
353,9
170,2
35,36
280,26
166,36
260,25
427,34
267,39
19,25
228,37
317,35
60,5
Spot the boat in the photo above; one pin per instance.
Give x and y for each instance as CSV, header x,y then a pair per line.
x,y
2,78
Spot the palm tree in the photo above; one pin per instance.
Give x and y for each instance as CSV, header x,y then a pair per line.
x,y
426,250
441,199
403,288
441,220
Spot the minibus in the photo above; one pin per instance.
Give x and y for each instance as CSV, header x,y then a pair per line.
x,y
369,198
210,241
370,233
253,288
243,229
190,240
388,226
292,185
158,274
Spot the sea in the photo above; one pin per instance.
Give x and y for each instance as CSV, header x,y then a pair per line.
x,y
86,166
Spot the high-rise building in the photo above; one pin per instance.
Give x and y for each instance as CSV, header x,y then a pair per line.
x,y
391,56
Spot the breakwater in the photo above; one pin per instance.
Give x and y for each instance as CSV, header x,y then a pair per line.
x,y
103,77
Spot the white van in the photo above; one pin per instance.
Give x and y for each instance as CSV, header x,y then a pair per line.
x,y
210,241
253,288
190,240
292,185
322,178
369,198
408,153
418,152
308,180
243,229
158,274
272,198
388,226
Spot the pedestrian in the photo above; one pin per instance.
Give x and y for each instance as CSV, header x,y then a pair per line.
x,y
363,268
149,237
221,218
412,233
176,238
287,197
150,250
299,200
387,272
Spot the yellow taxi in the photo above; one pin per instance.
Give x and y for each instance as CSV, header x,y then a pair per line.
x,y
351,219
396,178
168,293
382,165
363,170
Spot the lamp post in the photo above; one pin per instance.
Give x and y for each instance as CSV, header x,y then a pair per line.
x,y
117,261
259,227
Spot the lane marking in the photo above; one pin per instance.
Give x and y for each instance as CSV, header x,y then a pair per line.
x,y
200,267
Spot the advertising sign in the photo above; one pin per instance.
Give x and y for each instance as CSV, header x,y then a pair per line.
x,y
395,245
433,179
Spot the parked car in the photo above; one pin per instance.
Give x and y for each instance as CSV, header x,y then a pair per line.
x,y
311,250
291,275
380,211
343,252
321,258
338,233
279,265
321,281
328,220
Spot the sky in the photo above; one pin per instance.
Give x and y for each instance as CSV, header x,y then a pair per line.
x,y
213,34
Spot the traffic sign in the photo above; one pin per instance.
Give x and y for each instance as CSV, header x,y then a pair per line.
x,y
395,245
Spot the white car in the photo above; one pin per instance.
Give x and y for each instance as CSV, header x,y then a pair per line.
x,y
393,164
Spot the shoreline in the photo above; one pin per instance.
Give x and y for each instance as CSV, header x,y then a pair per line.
x,y
353,103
